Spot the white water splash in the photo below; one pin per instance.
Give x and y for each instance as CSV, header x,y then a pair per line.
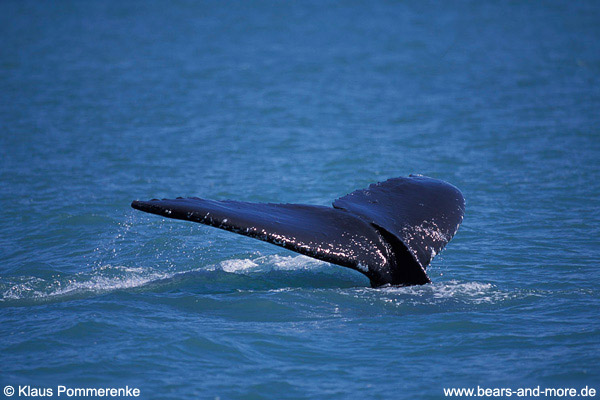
x,y
103,279
463,292
111,278
291,262
237,265
267,263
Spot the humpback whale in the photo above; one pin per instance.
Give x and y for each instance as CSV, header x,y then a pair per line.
x,y
389,231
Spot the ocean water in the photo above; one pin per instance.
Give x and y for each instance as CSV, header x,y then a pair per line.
x,y
106,102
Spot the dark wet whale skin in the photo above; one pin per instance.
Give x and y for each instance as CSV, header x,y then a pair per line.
x,y
390,231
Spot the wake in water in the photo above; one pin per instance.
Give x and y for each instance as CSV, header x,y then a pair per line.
x,y
450,291
281,273
103,279
110,278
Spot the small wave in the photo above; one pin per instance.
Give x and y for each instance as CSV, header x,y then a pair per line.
x,y
237,265
475,292
268,263
102,279
288,263
110,278
436,294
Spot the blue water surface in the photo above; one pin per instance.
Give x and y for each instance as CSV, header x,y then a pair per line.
x,y
105,102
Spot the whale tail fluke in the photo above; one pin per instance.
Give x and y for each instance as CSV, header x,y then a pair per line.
x,y
390,231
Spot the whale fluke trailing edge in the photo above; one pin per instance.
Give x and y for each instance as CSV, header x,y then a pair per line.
x,y
390,231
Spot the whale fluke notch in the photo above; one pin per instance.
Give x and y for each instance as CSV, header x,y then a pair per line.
x,y
390,231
